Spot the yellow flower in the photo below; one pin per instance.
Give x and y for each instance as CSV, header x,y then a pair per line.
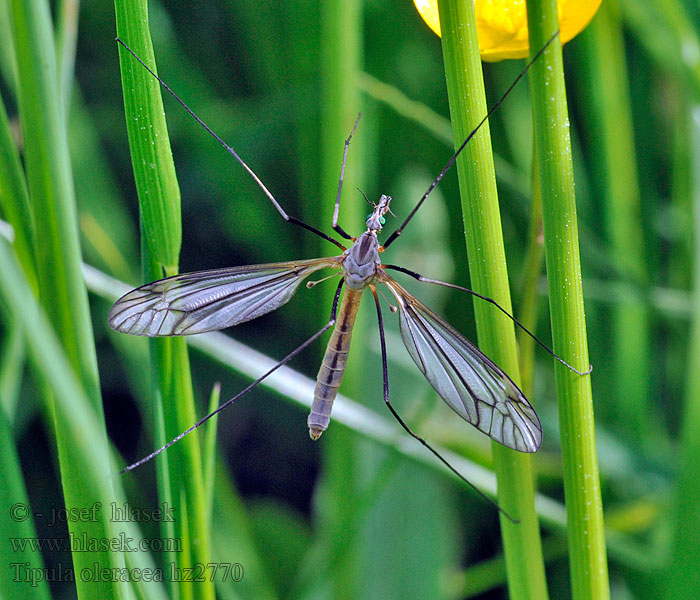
x,y
502,24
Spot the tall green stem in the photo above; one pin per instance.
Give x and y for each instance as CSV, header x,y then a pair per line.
x,y
487,267
58,267
588,560
612,124
682,578
180,481
341,43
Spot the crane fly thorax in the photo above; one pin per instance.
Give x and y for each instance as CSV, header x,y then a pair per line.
x,y
361,261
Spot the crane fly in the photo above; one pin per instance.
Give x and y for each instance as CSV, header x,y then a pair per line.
x,y
469,382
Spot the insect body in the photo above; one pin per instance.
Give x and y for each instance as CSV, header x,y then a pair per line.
x,y
469,382
361,265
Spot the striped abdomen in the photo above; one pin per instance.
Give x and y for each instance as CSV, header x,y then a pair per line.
x,y
333,366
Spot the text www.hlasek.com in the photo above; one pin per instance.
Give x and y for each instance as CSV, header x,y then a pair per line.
x,y
84,543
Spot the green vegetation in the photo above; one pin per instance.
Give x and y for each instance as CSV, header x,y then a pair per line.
x,y
363,513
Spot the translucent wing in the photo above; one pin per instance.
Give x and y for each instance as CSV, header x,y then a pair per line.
x,y
464,377
210,300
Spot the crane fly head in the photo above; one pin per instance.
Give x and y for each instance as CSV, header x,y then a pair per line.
x,y
375,221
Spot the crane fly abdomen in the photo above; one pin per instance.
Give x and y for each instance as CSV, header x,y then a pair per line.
x,y
330,375
360,265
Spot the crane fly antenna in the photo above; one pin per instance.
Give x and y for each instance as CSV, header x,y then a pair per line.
x,y
243,392
415,436
365,196
232,152
452,160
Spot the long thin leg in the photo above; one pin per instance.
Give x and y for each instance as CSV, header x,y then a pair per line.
x,y
450,162
454,286
235,155
385,378
337,228
243,392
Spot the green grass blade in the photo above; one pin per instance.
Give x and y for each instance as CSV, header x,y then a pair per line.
x,y
13,355
159,203
682,578
588,558
611,126
17,526
522,545
79,429
14,199
532,268
209,458
58,264
51,190
341,62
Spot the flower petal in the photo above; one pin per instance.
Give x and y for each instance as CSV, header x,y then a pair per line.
x,y
502,24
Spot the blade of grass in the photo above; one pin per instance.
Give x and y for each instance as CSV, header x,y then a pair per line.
x,y
487,268
532,267
682,578
17,526
66,41
11,370
490,574
58,266
159,208
81,427
612,132
14,199
587,556
209,459
8,64
341,60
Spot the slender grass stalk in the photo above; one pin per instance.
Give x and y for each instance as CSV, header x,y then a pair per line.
x,y
613,132
82,428
15,199
209,458
341,62
682,578
180,469
80,422
13,355
487,267
482,577
532,267
61,287
588,559
66,42
13,493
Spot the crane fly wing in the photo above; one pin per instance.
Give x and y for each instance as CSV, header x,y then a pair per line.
x,y
464,377
209,300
